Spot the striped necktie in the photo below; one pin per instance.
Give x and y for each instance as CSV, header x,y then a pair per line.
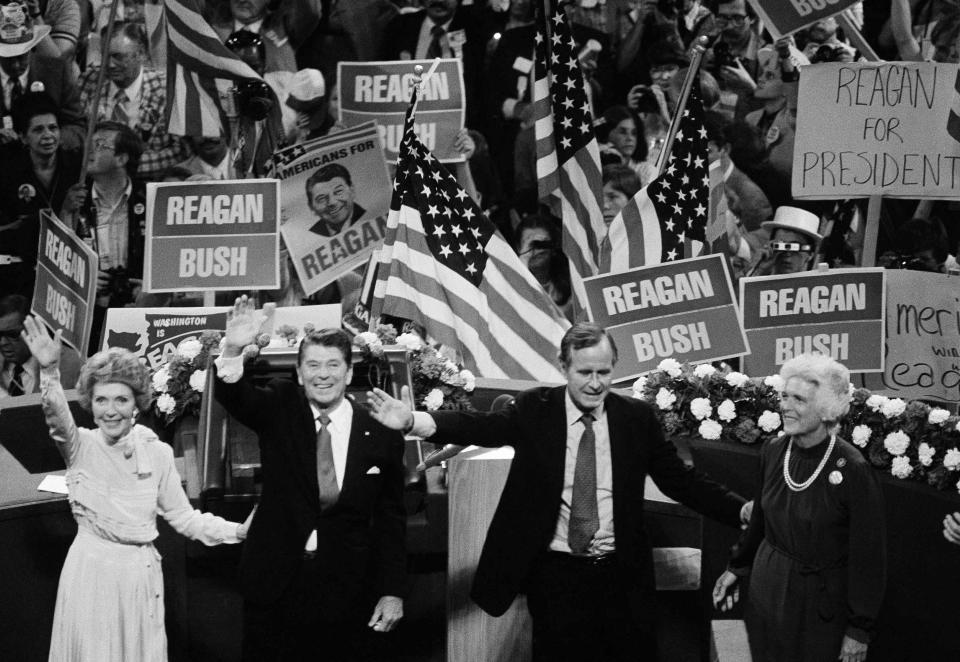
x,y
119,108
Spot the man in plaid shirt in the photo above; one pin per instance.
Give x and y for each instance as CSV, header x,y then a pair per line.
x,y
136,97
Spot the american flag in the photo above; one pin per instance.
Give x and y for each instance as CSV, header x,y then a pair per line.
x,y
444,265
568,157
666,219
200,69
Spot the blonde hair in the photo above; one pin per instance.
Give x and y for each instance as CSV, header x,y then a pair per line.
x,y
831,379
118,366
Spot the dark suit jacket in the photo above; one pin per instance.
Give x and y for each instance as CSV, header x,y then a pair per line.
x,y
403,32
526,517
360,539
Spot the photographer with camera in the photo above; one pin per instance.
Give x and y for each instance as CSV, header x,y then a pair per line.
x,y
921,245
109,213
732,59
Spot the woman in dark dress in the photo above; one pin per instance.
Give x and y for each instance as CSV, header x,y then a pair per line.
x,y
815,546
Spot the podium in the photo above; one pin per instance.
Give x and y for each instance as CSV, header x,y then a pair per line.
x,y
476,478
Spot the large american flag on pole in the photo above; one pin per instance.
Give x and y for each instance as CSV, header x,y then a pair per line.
x,y
200,70
444,265
568,157
667,218
953,119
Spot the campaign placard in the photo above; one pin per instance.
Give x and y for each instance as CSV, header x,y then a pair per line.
x,y
381,91
220,235
335,195
783,17
838,313
922,338
870,128
152,333
66,287
683,310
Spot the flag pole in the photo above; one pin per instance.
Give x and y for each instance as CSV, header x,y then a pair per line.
x,y
699,48
98,90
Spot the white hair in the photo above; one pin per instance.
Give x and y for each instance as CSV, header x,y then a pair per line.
x,y
831,379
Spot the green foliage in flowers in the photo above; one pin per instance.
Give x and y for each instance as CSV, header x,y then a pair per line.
x,y
178,383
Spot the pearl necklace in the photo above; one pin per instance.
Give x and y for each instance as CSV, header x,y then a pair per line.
x,y
799,487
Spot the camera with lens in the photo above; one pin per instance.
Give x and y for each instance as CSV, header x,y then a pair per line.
x,y
896,260
828,53
254,99
722,57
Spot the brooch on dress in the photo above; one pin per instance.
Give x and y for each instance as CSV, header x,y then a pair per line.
x,y
835,477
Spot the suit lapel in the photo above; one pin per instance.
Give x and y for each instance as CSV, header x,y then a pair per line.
x,y
359,432
619,453
307,447
555,447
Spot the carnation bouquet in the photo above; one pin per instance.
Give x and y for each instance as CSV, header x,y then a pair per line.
x,y
438,382
702,401
910,440
178,383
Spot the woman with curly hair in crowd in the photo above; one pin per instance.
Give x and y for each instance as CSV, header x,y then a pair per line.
x,y
119,476
815,548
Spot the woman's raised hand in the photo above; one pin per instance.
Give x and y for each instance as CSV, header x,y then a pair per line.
x,y
44,348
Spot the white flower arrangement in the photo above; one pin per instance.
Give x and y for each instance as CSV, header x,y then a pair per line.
x,y
704,370
925,453
166,404
876,402
769,421
159,379
189,348
900,467
670,366
665,398
937,416
411,341
737,379
198,380
861,435
434,400
951,460
893,407
638,387
469,381
775,382
710,429
701,408
727,411
897,443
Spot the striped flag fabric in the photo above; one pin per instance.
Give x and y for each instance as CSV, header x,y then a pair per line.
x,y
200,71
444,266
953,120
667,218
568,156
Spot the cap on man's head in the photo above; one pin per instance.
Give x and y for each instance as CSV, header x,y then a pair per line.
x,y
18,34
307,90
797,220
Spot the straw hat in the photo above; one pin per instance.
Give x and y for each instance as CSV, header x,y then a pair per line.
x,y
798,220
17,32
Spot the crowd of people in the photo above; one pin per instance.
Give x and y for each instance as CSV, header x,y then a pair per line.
x,y
634,55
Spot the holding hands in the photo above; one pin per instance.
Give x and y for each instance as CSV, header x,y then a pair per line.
x,y
726,592
44,348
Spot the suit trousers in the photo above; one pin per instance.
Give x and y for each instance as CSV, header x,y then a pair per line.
x,y
581,613
293,628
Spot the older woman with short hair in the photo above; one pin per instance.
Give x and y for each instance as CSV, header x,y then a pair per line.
x,y
119,476
815,545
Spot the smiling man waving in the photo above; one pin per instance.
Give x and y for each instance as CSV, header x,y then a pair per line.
x,y
569,530
326,548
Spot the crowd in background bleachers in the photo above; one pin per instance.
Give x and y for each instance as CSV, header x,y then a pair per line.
x,y
633,53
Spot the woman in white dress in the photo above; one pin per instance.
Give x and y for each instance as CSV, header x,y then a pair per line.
x,y
110,597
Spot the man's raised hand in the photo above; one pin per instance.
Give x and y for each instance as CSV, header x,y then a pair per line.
x,y
390,412
244,324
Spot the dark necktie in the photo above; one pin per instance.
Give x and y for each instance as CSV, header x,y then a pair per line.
x,y
326,471
16,382
16,90
434,49
584,515
119,111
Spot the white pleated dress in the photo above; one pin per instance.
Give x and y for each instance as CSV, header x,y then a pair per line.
x,y
110,596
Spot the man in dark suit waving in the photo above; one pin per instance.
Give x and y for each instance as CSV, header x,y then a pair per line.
x,y
328,537
568,530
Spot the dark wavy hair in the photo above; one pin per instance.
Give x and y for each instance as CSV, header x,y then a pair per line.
x,y
114,366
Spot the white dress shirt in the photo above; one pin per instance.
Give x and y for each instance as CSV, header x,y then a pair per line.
x,y
426,36
28,378
131,106
341,421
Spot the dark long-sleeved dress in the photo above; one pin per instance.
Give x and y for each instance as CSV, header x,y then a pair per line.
x,y
816,558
